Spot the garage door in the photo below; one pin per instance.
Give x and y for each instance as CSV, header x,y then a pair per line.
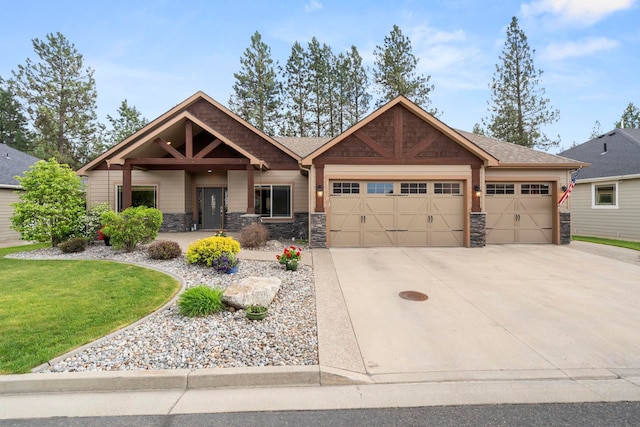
x,y
397,213
519,213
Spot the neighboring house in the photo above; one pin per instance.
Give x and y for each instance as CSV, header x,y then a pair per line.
x,y
400,177
606,199
12,163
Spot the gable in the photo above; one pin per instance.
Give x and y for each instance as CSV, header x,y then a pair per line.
x,y
398,135
194,134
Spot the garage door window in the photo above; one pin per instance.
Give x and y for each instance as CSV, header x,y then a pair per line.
x,y
534,189
605,195
446,188
501,188
380,188
413,188
346,188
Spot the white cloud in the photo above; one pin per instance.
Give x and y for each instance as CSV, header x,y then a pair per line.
x,y
312,6
579,11
574,49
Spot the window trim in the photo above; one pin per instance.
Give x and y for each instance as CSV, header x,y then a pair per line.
x,y
594,186
270,216
120,187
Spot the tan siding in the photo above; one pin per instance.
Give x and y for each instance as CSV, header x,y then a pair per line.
x,y
171,185
237,182
7,196
619,223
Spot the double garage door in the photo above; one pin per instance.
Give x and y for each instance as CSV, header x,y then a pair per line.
x,y
396,213
519,213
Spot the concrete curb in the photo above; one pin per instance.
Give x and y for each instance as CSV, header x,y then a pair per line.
x,y
182,379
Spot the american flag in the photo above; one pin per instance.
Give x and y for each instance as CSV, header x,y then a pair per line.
x,y
567,192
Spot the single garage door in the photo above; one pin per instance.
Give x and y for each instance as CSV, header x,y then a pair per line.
x,y
519,213
396,213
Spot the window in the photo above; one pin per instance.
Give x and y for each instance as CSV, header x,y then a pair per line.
x,y
346,188
446,188
379,187
534,189
413,188
141,195
273,201
605,195
500,188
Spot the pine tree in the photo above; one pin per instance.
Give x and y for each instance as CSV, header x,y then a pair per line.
x,y
595,132
13,124
320,83
478,130
128,121
257,92
358,97
395,72
59,95
518,107
298,121
630,117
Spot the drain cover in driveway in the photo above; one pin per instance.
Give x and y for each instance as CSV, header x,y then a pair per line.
x,y
413,296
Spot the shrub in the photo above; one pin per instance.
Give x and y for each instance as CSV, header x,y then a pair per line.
x,y
200,301
209,251
164,249
254,235
93,220
132,226
76,244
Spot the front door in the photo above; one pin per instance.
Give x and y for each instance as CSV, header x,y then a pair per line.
x,y
213,208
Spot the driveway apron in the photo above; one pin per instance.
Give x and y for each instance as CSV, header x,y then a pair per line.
x,y
516,308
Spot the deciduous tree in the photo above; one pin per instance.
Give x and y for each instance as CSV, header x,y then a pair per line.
x,y
52,206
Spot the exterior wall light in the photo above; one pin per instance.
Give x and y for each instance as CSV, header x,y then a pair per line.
x,y
319,191
477,190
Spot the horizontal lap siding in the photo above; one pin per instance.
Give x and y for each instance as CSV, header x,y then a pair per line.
x,y
171,187
7,196
623,223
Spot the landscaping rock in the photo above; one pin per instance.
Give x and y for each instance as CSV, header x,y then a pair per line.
x,y
252,290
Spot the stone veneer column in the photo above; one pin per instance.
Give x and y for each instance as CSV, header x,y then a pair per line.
x,y
478,229
565,228
318,230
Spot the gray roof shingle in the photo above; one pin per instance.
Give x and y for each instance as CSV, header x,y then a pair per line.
x,y
13,162
621,156
302,146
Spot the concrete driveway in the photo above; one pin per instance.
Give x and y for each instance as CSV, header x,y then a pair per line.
x,y
501,312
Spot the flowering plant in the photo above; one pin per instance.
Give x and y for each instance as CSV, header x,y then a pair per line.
x,y
101,234
220,233
290,255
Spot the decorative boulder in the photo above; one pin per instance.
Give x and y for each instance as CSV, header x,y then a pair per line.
x,y
252,290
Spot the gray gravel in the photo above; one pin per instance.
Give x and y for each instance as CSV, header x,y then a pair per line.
x,y
168,340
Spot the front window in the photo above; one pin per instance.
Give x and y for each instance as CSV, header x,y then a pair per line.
x,y
605,195
141,195
273,201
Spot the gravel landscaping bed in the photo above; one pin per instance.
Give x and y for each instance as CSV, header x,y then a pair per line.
x,y
168,340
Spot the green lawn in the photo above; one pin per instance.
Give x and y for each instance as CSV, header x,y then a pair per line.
x,y
50,307
611,242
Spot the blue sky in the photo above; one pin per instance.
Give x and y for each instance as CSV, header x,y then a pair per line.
x,y
157,53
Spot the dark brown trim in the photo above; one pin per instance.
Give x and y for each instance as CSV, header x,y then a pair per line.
x,y
168,148
385,161
188,138
320,181
209,148
251,207
164,161
362,136
398,125
126,187
475,180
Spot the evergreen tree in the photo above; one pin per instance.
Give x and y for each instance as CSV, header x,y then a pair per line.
x,y
13,124
478,130
595,132
518,107
298,120
357,94
60,100
257,91
321,82
395,72
630,117
128,122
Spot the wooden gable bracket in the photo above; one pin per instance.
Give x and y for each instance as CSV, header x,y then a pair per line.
x,y
209,148
168,148
372,143
419,147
